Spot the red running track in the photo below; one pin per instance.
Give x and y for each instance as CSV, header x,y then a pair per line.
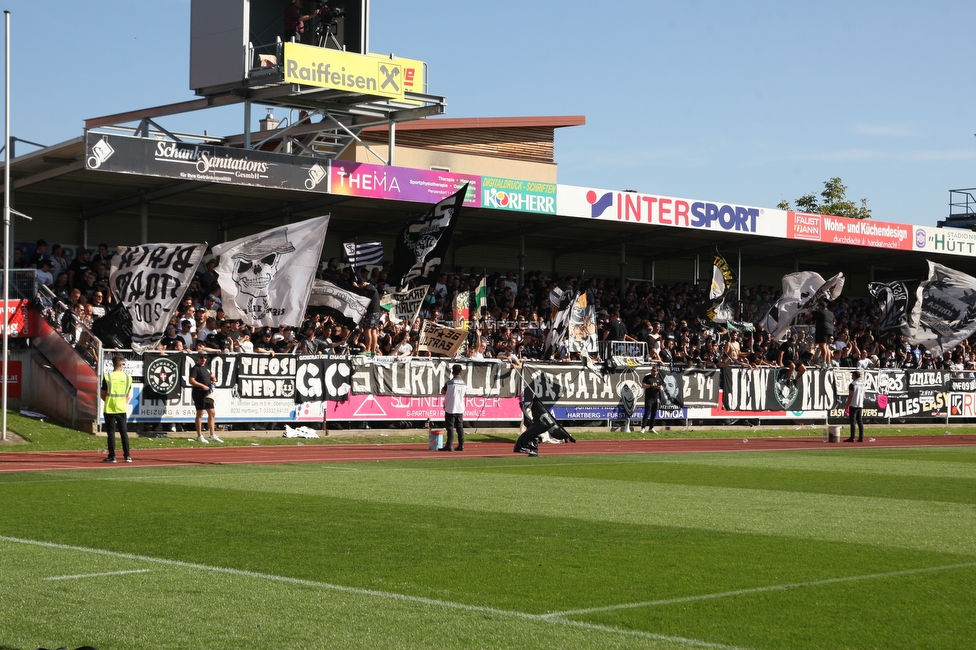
x,y
274,455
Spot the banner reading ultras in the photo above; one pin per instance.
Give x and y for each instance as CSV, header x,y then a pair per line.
x,y
358,73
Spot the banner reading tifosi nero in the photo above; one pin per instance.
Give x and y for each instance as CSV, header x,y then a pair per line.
x,y
203,162
425,377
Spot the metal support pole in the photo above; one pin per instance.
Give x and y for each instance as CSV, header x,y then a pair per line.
x,y
521,277
247,125
623,268
391,156
738,278
144,221
6,219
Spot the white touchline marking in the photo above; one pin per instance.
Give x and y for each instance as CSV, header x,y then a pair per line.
x,y
548,618
98,575
757,590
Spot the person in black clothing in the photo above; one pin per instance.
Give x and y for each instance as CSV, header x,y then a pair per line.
x,y
202,382
652,398
540,423
616,329
295,20
823,320
788,358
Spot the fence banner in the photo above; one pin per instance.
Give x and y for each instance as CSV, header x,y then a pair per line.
x,y
371,407
418,377
766,389
323,377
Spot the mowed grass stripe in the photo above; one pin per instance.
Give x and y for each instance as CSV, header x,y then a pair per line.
x,y
181,608
935,465
915,523
813,482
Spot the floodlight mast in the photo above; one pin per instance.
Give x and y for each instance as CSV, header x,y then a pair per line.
x,y
6,218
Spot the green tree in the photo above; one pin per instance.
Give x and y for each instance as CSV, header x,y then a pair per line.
x,y
832,201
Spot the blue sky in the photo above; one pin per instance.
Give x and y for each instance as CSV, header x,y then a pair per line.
x,y
741,102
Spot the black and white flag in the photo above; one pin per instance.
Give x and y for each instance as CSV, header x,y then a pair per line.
x,y
722,290
150,281
899,302
947,312
423,243
801,291
363,253
561,317
266,278
405,305
346,303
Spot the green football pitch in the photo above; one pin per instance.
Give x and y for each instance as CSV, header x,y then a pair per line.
x,y
845,548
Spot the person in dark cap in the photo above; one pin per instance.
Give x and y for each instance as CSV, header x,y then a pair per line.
x,y
453,393
78,266
39,254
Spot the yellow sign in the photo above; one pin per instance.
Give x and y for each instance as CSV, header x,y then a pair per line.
x,y
413,72
356,73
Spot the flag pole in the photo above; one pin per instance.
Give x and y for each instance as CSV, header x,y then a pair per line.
x,y
6,218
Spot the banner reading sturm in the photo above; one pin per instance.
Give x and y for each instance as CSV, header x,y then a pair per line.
x,y
426,377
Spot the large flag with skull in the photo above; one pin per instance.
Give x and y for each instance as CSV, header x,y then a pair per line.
x,y
423,243
266,278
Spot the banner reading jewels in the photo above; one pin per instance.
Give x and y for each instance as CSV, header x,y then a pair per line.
x,y
203,162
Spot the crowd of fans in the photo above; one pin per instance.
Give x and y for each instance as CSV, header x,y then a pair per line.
x,y
669,320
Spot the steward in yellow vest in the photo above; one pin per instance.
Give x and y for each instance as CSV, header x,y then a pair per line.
x,y
116,391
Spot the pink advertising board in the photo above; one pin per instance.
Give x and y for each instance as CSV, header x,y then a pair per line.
x,y
391,407
400,183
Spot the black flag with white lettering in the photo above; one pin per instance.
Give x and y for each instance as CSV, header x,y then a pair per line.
x,y
423,243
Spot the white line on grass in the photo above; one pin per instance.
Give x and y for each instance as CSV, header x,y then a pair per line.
x,y
758,590
98,575
547,618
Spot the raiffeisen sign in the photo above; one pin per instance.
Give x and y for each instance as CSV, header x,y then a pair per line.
x,y
356,73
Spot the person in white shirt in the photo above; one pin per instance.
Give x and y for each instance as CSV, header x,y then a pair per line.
x,y
44,275
855,404
453,392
